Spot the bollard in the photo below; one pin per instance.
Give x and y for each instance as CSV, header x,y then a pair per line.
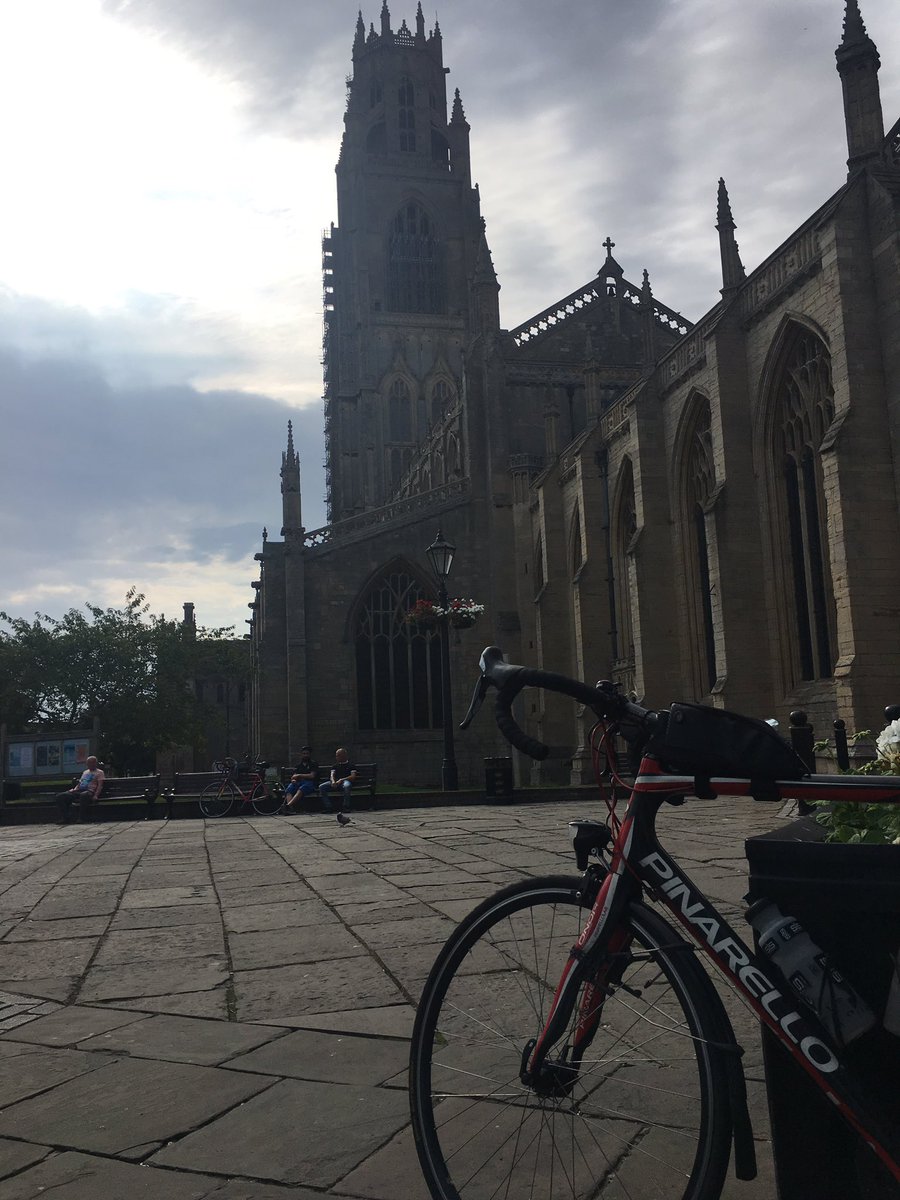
x,y
802,741
841,753
498,779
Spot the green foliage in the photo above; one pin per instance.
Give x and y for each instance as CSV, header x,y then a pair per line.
x,y
125,667
864,824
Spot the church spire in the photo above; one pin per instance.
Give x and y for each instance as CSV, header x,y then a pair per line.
x,y
290,487
648,322
420,25
857,65
385,20
733,274
458,116
359,38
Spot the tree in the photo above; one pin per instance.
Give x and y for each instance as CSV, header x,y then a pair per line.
x,y
125,667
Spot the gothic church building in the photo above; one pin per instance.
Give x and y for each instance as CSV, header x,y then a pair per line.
x,y
703,511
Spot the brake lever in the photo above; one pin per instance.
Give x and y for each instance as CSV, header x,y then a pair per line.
x,y
481,690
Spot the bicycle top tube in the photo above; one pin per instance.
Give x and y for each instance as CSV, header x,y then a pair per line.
x,y
688,749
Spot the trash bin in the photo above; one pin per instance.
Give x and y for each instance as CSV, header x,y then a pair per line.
x,y
847,897
498,779
12,790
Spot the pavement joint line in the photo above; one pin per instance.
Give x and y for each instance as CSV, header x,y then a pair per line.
x,y
101,940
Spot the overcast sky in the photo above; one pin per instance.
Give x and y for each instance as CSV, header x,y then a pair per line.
x,y
168,172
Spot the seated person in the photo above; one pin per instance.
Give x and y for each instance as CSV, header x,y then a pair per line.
x,y
85,791
341,779
303,781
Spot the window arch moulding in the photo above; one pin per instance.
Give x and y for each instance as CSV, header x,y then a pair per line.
x,y
397,665
799,426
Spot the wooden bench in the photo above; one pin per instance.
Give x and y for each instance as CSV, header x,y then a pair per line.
x,y
126,789
188,785
366,780
130,787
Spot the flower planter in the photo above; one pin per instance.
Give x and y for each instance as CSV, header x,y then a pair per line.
x,y
847,897
462,622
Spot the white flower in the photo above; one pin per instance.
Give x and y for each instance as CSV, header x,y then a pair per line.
x,y
888,741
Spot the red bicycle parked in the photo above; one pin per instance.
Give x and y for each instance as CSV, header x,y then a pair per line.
x,y
568,1041
241,783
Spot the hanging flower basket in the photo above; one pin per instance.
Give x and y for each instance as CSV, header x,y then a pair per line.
x,y
424,613
463,614
462,621
460,614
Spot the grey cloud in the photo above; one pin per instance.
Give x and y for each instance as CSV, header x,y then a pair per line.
x,y
93,476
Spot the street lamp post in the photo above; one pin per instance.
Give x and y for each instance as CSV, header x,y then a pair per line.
x,y
440,555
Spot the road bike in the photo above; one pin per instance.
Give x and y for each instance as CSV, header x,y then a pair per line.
x,y
568,1041
241,784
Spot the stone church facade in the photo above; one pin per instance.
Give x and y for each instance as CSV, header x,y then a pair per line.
x,y
703,511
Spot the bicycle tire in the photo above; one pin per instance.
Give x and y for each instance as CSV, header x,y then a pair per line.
x,y
644,1117
216,799
266,802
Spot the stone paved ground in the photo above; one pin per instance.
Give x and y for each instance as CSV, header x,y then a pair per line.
x,y
222,1009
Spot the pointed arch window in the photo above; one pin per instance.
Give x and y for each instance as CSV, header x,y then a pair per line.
x,y
539,573
399,412
805,409
700,483
398,666
406,100
442,396
624,529
415,264
577,547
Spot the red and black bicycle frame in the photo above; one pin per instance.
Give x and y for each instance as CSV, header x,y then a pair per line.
x,y
639,865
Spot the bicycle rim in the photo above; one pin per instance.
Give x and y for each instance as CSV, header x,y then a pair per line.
x,y
265,803
217,799
648,1115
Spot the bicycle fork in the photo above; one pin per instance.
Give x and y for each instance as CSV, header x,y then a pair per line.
x,y
591,972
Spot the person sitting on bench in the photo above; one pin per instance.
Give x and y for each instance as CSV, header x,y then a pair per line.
x,y
304,781
85,791
342,778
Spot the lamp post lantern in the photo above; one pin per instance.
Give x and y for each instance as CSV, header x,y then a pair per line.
x,y
440,555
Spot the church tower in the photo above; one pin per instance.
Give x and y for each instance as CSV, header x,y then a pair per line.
x,y
397,266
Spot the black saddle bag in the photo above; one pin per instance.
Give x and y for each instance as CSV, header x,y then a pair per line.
x,y
703,741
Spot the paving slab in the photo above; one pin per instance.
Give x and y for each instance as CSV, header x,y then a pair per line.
x,y
26,1069
235,1015
182,1039
16,1156
70,1025
328,1056
122,1107
86,1177
312,1133
153,979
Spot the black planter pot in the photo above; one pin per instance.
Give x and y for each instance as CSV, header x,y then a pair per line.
x,y
847,897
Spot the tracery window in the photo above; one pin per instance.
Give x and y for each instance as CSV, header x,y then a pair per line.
x,y
406,99
805,410
700,478
415,264
398,666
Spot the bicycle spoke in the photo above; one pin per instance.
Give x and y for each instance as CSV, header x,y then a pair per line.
x,y
636,1108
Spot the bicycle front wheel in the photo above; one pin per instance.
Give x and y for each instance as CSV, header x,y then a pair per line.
x,y
266,801
648,1114
217,799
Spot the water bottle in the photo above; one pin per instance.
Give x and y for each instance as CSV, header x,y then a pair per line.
x,y
806,968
